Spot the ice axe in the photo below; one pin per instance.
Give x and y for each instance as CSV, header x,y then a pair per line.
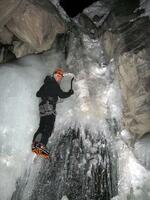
x,y
72,82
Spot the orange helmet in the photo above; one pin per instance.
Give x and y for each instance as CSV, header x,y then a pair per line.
x,y
59,71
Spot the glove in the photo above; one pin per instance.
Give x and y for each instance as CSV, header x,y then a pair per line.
x,y
71,92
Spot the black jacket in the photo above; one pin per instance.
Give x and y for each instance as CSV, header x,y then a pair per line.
x,y
50,91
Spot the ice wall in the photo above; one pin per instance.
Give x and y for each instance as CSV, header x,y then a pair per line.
x,y
94,109
19,117
83,157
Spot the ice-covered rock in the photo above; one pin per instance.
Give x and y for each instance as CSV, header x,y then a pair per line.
x,y
142,150
127,137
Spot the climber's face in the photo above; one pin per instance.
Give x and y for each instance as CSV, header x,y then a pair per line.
x,y
58,77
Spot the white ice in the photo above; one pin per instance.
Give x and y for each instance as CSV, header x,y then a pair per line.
x,y
19,117
134,181
96,98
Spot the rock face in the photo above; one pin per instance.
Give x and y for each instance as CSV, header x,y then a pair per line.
x,y
125,37
134,73
33,25
7,8
6,37
126,40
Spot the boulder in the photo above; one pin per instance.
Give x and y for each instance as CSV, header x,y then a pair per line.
x,y
7,8
36,24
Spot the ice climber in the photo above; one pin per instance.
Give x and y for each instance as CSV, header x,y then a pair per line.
x,y
49,93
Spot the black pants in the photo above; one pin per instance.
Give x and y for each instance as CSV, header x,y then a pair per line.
x,y
45,129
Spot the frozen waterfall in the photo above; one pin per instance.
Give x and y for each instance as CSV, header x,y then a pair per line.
x,y
90,159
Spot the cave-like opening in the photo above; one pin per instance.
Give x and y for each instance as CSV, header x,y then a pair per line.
x,y
73,8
